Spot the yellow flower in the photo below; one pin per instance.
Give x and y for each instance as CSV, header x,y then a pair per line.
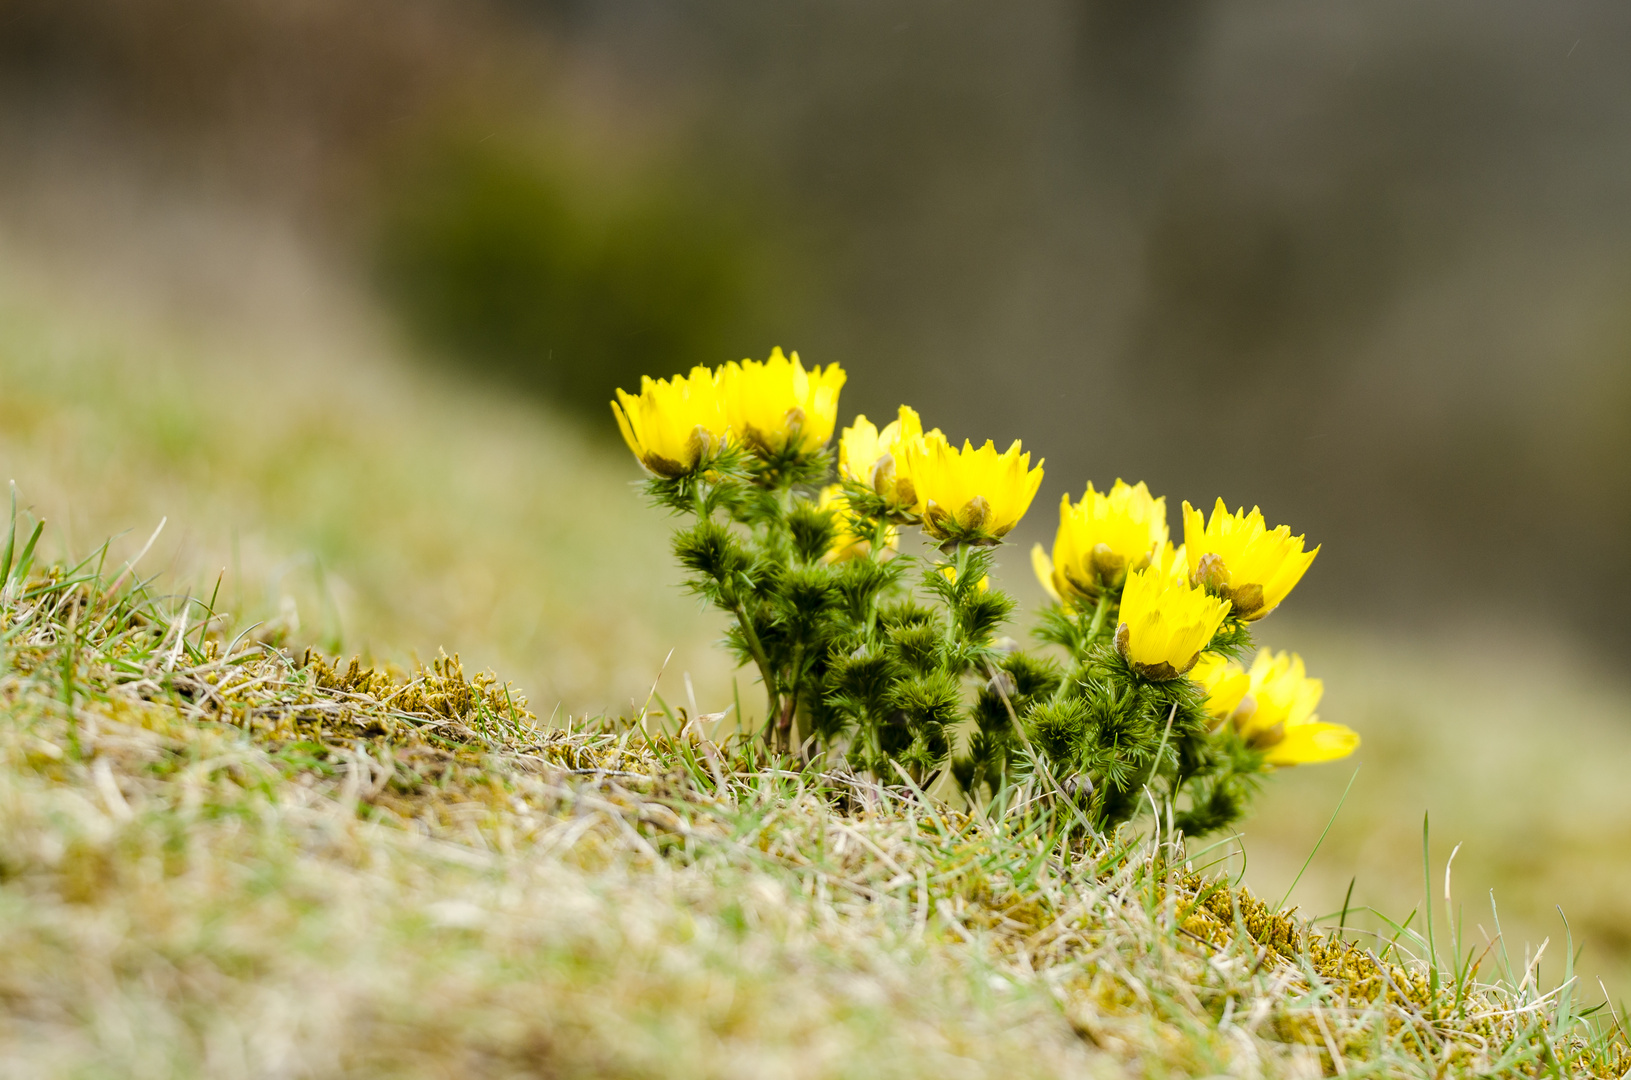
x,y
1042,567
673,425
876,458
1102,539
776,405
1276,715
845,544
1165,623
1227,686
970,495
1235,557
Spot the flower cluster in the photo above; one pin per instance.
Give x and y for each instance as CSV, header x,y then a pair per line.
x,y
905,674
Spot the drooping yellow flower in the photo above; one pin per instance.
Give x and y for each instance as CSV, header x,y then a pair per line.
x,y
1102,539
877,459
673,425
1234,556
845,544
776,405
1276,715
1165,623
1227,686
970,495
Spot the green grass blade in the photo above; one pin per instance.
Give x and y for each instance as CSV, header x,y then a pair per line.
x,y
1318,842
11,539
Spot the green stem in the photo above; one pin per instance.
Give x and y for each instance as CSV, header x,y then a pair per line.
x,y
760,660
1099,612
790,706
878,541
755,647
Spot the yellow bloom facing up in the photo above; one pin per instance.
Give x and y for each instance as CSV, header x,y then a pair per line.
x,y
1102,539
1276,715
845,544
1227,688
673,425
876,458
776,405
1165,623
1234,556
970,495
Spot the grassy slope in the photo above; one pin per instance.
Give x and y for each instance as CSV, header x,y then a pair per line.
x,y
445,517
219,859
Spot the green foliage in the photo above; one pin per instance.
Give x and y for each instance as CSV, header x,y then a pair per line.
x,y
1219,798
811,530
1060,730
1019,683
1126,741
850,655
713,554
904,673
1233,640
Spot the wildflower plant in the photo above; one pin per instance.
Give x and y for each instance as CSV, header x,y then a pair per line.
x,y
893,662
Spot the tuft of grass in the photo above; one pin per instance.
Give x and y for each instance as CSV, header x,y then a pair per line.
x,y
218,857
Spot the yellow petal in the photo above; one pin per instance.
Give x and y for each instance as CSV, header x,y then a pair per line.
x,y
1043,568
1308,744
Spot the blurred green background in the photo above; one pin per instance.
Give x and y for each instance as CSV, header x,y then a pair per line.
x,y
342,289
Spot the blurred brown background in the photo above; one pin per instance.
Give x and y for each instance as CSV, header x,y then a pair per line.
x,y
1364,265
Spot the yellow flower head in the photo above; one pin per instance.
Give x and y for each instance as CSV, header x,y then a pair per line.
x,y
776,405
1235,557
1165,623
877,458
1227,686
673,425
970,495
1276,715
1103,538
